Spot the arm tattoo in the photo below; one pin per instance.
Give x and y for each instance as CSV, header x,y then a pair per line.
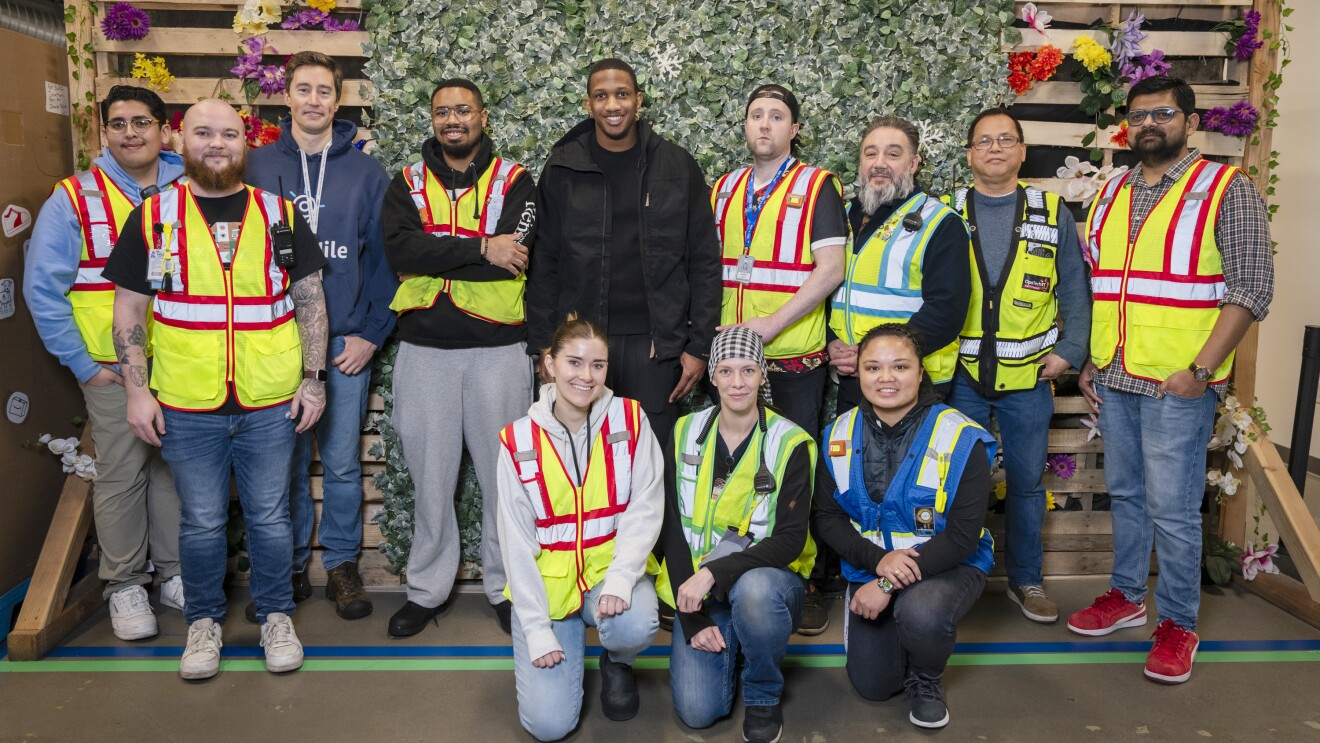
x,y
130,347
313,323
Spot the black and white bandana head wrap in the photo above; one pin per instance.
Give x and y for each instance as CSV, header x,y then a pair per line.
x,y
740,343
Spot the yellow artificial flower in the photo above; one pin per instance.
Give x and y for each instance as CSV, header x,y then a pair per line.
x,y
325,6
154,71
1001,490
1050,505
1089,52
254,17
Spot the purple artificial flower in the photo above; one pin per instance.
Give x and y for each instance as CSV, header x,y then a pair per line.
x,y
1126,42
125,22
271,80
246,69
256,45
305,18
1248,42
1242,118
1214,119
1064,466
331,25
1147,65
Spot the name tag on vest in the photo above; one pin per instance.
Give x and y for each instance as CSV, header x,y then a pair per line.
x,y
616,437
524,456
1196,196
1041,233
1036,283
693,459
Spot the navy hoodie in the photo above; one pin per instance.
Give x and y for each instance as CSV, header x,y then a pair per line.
x,y
359,284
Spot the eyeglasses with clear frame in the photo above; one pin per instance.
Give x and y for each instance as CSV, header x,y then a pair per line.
x,y
1161,115
462,112
140,124
1005,141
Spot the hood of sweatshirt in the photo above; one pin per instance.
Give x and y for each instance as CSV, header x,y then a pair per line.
x,y
169,170
573,149
341,139
574,446
450,178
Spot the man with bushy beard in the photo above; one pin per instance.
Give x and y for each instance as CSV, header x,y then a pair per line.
x,y
240,351
909,261
1179,249
458,226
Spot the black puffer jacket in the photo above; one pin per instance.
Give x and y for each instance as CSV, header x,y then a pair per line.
x,y
570,271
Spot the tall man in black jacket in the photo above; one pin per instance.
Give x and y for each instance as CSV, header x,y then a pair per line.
x,y
627,240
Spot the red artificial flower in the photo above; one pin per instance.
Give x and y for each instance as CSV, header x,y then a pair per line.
x,y
1121,138
1046,62
1019,81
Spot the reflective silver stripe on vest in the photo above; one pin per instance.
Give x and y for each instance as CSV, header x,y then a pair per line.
x,y
417,182
274,215
1013,350
787,249
724,194
98,217
947,427
1103,202
490,217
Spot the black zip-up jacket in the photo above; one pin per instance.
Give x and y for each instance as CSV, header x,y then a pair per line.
x,y
410,249
570,270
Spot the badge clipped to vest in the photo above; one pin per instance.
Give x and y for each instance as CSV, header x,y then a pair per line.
x,y
923,521
281,244
743,273
160,260
226,237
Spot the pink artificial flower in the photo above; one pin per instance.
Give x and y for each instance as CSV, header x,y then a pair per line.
x,y
1037,19
1258,561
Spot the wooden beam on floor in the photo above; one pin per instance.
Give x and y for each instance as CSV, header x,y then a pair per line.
x,y
46,609
1284,592
1287,510
84,601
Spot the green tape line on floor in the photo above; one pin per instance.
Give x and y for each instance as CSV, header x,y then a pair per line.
x,y
506,664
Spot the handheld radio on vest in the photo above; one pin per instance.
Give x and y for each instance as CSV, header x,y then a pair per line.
x,y
912,222
281,240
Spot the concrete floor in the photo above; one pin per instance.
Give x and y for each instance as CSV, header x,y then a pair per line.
x,y
454,683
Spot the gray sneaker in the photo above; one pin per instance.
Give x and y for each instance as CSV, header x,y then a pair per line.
x,y
201,657
926,702
283,650
1035,605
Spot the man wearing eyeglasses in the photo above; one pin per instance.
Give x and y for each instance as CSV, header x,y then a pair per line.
x,y
135,505
1027,322
1181,265
458,227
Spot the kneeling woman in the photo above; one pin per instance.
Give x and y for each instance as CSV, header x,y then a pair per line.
x,y
580,507
902,496
736,544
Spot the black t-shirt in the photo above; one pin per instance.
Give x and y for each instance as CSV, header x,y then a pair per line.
x,y
628,312
127,265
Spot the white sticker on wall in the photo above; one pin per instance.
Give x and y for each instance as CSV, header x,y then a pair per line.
x,y
57,98
17,407
6,298
15,219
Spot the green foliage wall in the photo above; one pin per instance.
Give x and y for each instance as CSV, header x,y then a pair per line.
x,y
935,62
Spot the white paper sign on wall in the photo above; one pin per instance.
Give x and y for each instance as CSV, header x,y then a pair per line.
x,y
6,298
15,219
57,98
17,407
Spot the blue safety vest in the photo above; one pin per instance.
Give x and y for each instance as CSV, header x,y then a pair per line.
x,y
921,492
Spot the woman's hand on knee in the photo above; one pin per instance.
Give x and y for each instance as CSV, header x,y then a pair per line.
x,y
550,659
709,640
869,601
694,590
899,567
610,606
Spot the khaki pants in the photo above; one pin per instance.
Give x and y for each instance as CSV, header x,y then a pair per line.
x,y
133,498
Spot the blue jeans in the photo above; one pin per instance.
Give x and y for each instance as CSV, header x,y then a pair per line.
x,y
339,440
758,618
202,450
550,699
1155,473
1024,426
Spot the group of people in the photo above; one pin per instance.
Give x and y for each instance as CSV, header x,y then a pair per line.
x,y
250,293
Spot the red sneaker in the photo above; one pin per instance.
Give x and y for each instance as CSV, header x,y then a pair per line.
x,y
1109,612
1171,657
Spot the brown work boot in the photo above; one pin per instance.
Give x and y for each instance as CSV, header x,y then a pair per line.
x,y
344,587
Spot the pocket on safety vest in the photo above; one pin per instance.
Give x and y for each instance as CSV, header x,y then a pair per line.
x,y
271,361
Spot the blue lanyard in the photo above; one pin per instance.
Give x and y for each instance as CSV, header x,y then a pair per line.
x,y
752,205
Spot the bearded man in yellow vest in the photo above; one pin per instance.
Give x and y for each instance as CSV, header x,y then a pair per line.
x,y
1181,265
458,223
908,261
134,504
1028,322
232,276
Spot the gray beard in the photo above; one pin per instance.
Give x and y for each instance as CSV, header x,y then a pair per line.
x,y
873,198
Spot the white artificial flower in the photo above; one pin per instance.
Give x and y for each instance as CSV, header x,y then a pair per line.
x,y
45,439
62,446
85,467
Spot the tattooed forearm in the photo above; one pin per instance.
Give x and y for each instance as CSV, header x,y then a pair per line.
x,y
313,323
138,376
131,348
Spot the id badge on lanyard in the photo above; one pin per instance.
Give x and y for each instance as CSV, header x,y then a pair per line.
x,y
752,207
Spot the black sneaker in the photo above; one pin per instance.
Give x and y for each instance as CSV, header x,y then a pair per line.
x,y
926,702
618,689
815,613
763,724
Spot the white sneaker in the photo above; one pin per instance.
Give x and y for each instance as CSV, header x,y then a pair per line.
x,y
283,650
130,614
201,658
171,593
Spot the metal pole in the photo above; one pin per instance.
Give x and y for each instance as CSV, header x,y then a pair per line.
x,y
1304,416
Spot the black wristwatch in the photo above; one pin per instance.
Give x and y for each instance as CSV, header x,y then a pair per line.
x,y
318,374
1201,373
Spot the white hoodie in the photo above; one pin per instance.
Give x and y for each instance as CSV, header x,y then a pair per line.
x,y
639,525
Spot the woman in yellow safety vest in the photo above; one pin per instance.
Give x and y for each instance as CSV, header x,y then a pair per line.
x,y
580,507
737,552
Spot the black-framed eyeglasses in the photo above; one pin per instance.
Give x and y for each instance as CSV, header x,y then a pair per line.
x,y
140,124
1005,141
462,112
1161,115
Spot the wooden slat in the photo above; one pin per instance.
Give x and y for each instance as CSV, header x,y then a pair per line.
x,y
233,5
1071,405
371,535
1070,440
371,564
1172,43
376,403
84,600
1054,564
1207,96
192,89
1286,509
1082,481
370,493
224,42
1284,592
1059,134
367,441
81,82
1186,3
368,468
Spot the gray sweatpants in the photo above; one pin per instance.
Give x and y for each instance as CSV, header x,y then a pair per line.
x,y
443,399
